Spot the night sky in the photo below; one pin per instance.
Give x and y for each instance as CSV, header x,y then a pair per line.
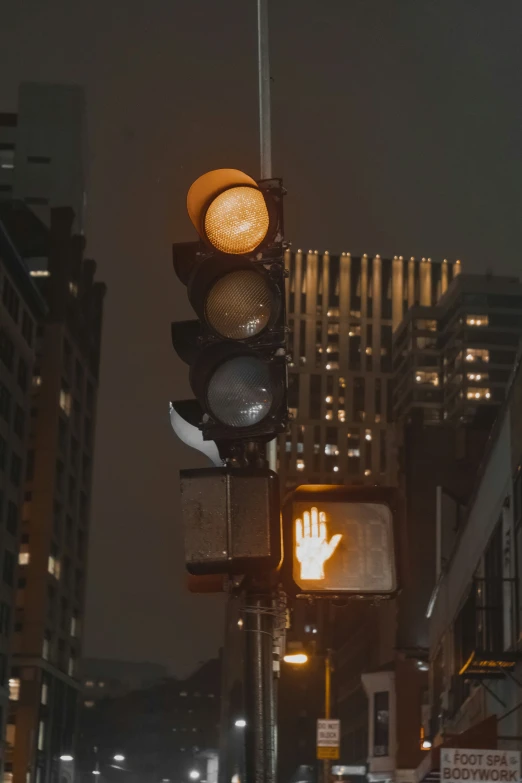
x,y
397,129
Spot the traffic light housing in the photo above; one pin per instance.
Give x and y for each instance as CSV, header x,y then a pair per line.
x,y
235,282
341,540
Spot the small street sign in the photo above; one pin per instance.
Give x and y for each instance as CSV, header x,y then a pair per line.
x,y
328,738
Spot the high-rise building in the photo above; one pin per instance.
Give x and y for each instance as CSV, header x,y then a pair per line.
x,y
342,312
48,623
21,309
43,150
453,361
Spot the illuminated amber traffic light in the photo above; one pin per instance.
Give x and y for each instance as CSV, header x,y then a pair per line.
x,y
229,211
341,540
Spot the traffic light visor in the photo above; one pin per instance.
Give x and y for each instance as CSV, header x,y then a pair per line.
x,y
229,211
343,547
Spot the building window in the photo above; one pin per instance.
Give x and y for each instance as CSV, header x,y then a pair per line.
x,y
6,350
71,667
5,402
65,401
53,565
9,566
381,721
37,381
23,557
477,320
22,374
477,355
300,465
19,422
27,328
41,735
73,288
427,377
12,518
88,704
14,688
478,394
74,625
45,693
46,647
16,469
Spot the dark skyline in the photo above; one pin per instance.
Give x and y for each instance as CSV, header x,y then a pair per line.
x,y
397,129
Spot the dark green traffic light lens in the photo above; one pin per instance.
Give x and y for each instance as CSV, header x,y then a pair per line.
x,y
239,305
239,393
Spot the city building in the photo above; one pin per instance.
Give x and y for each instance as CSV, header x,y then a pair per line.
x,y
54,529
157,733
342,312
21,310
43,150
453,361
474,610
107,679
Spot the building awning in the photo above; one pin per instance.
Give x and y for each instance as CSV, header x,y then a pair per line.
x,y
482,736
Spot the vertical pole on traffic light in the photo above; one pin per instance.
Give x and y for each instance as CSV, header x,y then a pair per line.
x,y
263,61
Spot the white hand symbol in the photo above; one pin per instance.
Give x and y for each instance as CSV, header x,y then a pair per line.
x,y
311,547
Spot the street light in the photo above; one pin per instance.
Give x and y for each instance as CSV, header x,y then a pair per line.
x,y
240,723
66,757
118,757
194,774
296,658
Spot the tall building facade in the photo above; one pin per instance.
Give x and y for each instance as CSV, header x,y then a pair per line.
x,y
453,362
48,623
21,309
342,311
43,150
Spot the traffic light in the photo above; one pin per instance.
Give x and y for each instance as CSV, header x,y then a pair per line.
x,y
235,281
340,540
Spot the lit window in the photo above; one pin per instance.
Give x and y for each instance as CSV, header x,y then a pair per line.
x,y
71,666
329,416
65,402
53,566
292,412
354,453
427,377
341,415
23,558
300,464
74,626
333,312
377,418
477,355
332,366
89,684
477,320
183,693
45,693
368,435
367,472
329,398
478,376
73,288
14,688
45,649
331,449
342,383
41,735
101,685
37,381
369,350
478,394
336,469
88,704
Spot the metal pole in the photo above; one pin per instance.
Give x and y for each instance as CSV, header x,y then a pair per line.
x,y
263,60
327,704
259,690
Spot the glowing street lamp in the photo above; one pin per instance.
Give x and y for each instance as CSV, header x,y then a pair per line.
x,y
296,658
240,723
66,757
118,757
194,774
